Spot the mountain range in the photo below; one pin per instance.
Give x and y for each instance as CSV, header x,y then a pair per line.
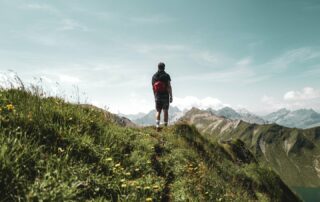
x,y
149,119
293,153
302,118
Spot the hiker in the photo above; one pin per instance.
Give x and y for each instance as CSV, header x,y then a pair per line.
x,y
162,93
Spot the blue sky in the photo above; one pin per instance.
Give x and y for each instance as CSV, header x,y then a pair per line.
x,y
259,55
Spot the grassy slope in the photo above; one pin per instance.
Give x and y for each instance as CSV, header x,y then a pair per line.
x,y
53,150
294,165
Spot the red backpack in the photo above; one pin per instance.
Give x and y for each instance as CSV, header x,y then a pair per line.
x,y
159,87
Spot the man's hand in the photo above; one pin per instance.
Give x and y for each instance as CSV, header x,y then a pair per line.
x,y
171,99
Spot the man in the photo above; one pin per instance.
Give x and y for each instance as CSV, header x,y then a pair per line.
x,y
161,85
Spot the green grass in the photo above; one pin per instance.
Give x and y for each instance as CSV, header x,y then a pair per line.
x,y
52,150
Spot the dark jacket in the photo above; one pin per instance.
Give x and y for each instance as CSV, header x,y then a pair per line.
x,y
164,77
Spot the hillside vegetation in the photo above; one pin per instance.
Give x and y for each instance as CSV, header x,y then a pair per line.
x,y
52,150
293,153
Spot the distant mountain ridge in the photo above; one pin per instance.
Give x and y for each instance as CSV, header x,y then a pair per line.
x,y
293,153
302,118
241,114
149,119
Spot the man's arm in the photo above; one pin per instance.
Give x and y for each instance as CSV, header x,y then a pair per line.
x,y
169,88
152,82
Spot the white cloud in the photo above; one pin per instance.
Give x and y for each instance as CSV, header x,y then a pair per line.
x,y
307,93
292,100
190,101
70,24
69,79
268,100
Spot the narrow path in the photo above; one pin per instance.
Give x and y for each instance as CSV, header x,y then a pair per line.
x,y
159,168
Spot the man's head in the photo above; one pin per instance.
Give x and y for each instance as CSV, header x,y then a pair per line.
x,y
161,66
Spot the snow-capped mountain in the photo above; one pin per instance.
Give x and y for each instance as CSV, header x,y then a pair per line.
x,y
149,119
241,114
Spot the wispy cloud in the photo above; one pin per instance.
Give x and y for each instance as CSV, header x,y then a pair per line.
x,y
69,79
292,57
156,48
237,74
191,101
156,19
70,24
40,7
245,61
306,93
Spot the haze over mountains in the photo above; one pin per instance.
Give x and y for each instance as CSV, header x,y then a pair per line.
x,y
302,118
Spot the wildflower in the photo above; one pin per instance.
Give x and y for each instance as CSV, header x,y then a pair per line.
x,y
127,173
137,169
122,180
148,199
148,162
146,188
109,159
117,165
155,187
123,185
10,107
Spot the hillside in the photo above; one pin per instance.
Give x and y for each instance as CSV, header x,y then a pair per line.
x,y
52,150
292,153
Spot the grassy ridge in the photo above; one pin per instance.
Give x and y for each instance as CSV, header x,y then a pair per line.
x,y
54,150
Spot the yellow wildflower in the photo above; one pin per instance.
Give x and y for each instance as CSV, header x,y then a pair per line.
x,y
155,187
109,159
149,199
137,169
127,173
10,107
123,185
117,165
122,180
146,188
